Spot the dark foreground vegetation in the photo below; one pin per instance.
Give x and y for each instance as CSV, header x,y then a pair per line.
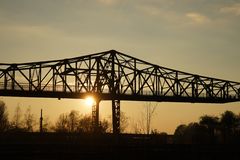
x,y
107,146
73,137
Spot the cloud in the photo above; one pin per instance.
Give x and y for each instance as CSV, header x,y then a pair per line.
x,y
233,9
197,18
27,32
108,2
149,9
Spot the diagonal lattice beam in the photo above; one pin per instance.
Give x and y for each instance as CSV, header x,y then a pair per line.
x,y
137,80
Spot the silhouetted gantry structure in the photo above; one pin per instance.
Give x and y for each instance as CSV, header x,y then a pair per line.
x,y
114,76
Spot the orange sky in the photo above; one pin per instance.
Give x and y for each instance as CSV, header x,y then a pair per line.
x,y
166,118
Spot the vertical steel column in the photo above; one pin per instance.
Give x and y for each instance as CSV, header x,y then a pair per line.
x,y
76,78
193,89
95,117
95,107
40,78
196,87
135,77
116,116
212,88
238,93
30,79
89,75
156,81
227,89
54,81
224,90
115,102
65,76
13,76
5,79
176,90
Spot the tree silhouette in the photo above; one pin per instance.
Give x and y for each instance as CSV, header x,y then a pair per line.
x,y
149,112
210,129
85,124
29,120
47,126
123,122
62,123
104,126
4,124
192,133
197,133
228,123
17,118
179,134
211,123
137,127
73,119
75,123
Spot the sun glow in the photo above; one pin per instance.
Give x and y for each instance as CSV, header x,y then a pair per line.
x,y
90,101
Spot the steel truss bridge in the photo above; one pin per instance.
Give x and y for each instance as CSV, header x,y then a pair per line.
x,y
114,76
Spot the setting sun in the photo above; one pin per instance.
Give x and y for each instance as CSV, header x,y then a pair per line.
x,y
89,101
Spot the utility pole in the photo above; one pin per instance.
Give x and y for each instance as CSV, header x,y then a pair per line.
x,y
41,123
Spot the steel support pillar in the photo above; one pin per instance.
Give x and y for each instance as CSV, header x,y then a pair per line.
x,y
95,117
116,116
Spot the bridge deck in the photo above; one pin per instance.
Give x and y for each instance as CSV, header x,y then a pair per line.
x,y
124,97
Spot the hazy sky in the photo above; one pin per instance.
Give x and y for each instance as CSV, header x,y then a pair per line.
x,y
197,36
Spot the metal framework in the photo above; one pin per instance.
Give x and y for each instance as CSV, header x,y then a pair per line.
x,y
115,76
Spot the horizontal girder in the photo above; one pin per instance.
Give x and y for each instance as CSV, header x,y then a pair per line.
x,y
110,75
